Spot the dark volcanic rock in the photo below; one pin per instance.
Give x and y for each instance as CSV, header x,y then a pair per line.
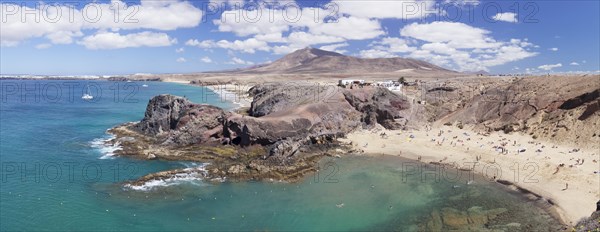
x,y
288,130
293,130
162,114
270,98
553,108
181,122
379,105
592,223
177,121
295,114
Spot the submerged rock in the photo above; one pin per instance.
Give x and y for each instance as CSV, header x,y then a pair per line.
x,y
473,219
454,218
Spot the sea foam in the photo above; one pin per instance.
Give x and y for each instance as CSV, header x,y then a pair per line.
x,y
107,150
192,175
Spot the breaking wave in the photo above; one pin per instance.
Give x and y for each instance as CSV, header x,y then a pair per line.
x,y
191,175
106,150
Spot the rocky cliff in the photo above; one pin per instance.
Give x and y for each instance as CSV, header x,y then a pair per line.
x,y
551,108
177,121
286,130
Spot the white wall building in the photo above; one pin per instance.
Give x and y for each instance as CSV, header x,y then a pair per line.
x,y
391,85
350,82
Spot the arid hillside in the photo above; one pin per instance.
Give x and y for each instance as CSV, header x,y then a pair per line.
x,y
312,60
563,109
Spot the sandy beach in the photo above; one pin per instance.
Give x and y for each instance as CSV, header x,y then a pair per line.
x,y
540,167
235,93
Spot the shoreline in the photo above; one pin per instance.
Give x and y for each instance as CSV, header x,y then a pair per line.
x,y
233,93
536,173
544,169
544,204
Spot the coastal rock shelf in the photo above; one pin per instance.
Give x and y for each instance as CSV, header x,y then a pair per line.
x,y
286,134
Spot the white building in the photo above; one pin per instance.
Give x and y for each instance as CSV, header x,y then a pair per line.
x,y
350,82
391,85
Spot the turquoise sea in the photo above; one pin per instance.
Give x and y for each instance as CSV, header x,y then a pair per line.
x,y
57,176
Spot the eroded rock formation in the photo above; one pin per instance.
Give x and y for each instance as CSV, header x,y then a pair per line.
x,y
551,108
282,139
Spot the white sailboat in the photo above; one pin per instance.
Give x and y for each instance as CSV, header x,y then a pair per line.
x,y
87,95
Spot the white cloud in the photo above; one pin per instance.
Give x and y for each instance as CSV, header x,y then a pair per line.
x,y
60,23
181,60
206,59
310,28
302,39
230,22
111,40
531,70
548,67
506,17
523,43
335,47
295,40
250,45
15,29
553,49
456,35
63,37
271,38
459,46
574,63
375,53
43,46
200,44
398,9
462,2
396,45
180,50
386,47
440,48
272,20
351,28
238,61
285,49
228,3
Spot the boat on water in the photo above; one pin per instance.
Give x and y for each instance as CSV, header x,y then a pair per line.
x,y
144,85
87,95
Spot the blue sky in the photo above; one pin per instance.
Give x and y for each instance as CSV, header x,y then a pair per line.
x,y
194,36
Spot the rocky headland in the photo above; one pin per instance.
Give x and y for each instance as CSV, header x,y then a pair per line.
x,y
287,129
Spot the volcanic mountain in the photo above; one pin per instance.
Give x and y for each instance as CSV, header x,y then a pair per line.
x,y
312,60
